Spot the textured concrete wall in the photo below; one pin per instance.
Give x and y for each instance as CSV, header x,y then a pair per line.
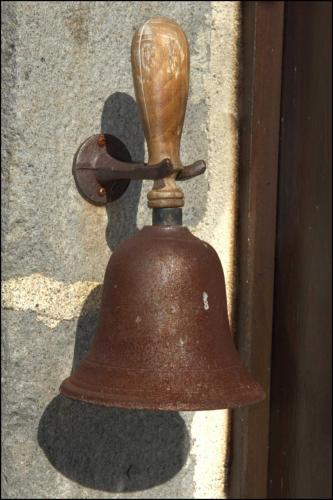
x,y
67,75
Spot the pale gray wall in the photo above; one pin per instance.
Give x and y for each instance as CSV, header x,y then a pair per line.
x,y
66,75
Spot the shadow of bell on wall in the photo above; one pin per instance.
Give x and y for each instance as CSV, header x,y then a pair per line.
x,y
110,449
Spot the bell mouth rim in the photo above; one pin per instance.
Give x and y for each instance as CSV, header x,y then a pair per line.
x,y
248,395
159,407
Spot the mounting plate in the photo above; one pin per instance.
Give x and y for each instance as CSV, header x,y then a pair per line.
x,y
84,167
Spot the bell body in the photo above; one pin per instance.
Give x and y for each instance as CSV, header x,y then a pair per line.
x,y
163,340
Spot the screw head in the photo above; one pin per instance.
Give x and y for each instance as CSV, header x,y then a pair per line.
x,y
101,191
101,141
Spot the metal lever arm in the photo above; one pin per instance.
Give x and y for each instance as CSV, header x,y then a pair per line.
x,y
189,171
102,169
109,169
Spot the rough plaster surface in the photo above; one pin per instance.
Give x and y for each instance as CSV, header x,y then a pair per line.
x,y
66,75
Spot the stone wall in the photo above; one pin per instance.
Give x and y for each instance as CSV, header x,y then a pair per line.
x,y
67,75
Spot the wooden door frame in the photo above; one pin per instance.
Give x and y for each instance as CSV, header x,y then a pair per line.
x,y
286,79
300,444
261,55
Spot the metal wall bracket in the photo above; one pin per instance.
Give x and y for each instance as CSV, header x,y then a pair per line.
x,y
102,169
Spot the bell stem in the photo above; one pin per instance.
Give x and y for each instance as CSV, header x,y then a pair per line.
x,y
167,216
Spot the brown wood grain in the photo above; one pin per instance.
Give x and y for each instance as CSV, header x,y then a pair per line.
x,y
300,464
261,55
160,65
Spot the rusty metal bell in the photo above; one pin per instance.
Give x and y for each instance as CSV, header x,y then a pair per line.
x,y
163,340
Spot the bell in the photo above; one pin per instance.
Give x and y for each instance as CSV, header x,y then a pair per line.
x,y
163,340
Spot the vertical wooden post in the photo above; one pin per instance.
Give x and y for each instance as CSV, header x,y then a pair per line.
x,y
262,40
300,464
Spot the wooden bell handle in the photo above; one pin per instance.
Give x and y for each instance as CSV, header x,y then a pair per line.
x,y
160,65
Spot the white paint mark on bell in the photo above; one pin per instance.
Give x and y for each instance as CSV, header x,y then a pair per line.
x,y
205,300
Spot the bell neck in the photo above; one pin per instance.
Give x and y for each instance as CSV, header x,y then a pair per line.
x,y
167,217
